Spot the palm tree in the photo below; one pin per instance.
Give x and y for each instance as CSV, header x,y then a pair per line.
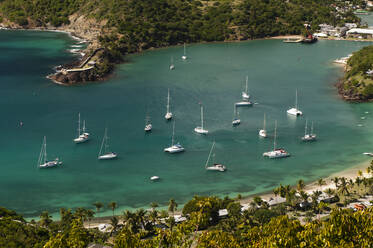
x,y
258,201
98,206
154,205
90,214
113,206
321,182
304,195
45,219
81,213
336,181
360,173
329,192
300,185
172,206
343,186
114,223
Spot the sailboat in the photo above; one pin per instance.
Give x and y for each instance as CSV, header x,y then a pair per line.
x,y
236,119
148,124
104,153
201,129
184,57
172,66
245,94
43,161
263,132
174,148
214,166
276,152
168,115
82,136
295,111
309,136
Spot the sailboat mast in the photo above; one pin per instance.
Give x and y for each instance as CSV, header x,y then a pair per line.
x,y
83,126
173,134
202,116
78,124
274,140
247,81
296,99
208,158
45,150
305,128
264,122
102,143
311,129
184,50
168,101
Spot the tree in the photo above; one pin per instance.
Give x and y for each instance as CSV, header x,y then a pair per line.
x,y
154,205
45,219
343,186
300,185
321,182
98,206
113,206
172,206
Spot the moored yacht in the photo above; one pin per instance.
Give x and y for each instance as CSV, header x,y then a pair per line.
x,y
104,153
174,148
236,119
148,124
214,166
168,115
309,136
276,152
184,57
245,94
43,161
295,111
201,129
263,132
82,136
172,66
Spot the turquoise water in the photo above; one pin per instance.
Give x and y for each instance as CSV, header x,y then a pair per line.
x,y
214,74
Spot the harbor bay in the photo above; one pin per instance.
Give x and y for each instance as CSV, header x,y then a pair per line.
x,y
214,75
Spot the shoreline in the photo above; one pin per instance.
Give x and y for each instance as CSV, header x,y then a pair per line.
x,y
349,173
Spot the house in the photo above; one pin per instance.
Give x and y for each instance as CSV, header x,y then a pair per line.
x,y
360,33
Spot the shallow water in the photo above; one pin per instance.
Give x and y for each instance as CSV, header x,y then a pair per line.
x,y
214,75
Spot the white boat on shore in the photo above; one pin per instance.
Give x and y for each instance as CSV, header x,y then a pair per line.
x,y
263,132
168,115
214,166
82,136
309,136
201,129
276,152
104,153
295,111
174,148
43,161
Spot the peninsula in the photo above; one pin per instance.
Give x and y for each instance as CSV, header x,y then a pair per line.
x,y
117,28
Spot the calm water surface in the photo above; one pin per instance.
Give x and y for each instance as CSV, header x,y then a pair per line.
x,y
214,75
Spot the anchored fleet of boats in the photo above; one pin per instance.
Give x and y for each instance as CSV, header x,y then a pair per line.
x,y
106,154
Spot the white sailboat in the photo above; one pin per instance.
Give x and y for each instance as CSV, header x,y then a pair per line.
x,y
263,132
104,153
148,124
174,148
154,178
82,136
168,115
172,66
43,161
214,166
309,136
245,94
276,152
184,57
236,119
201,129
295,111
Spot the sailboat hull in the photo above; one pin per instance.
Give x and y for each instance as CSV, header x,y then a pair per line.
x,y
243,104
200,130
111,155
263,133
295,112
278,153
50,164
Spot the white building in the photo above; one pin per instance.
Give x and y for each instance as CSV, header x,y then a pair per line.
x,y
360,33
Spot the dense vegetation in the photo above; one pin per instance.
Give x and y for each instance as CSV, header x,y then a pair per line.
x,y
136,25
358,83
260,225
